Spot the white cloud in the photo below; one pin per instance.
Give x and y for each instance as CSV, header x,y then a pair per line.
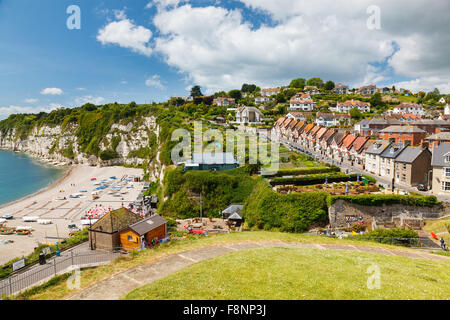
x,y
309,38
31,100
89,99
163,4
426,84
126,34
154,81
52,91
6,111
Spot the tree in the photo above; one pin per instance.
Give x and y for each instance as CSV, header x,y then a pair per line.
x,y
376,100
235,94
196,91
356,114
315,82
248,88
298,83
329,85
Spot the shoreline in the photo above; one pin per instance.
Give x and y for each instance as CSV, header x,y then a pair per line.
x,y
68,170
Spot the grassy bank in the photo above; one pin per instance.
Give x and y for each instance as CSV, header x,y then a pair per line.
x,y
298,274
90,276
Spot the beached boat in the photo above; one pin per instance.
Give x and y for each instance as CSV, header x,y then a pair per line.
x,y
30,219
23,232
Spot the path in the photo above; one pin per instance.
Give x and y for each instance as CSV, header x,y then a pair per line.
x,y
123,282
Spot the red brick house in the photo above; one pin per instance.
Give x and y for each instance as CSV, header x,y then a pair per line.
x,y
406,135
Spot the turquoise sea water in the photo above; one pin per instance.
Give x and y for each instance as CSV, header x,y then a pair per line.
x,y
21,175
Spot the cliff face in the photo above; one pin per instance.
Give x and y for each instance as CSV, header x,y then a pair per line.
x,y
133,143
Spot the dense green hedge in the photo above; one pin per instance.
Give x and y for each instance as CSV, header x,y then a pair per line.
x,y
296,212
305,171
398,236
316,179
218,189
387,199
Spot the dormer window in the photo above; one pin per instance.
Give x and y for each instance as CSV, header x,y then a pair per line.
x,y
447,158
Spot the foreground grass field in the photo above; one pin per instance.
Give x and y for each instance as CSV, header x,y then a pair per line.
x,y
59,290
280,273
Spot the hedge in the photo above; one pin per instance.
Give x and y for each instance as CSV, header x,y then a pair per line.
x,y
296,212
304,171
385,199
317,179
398,236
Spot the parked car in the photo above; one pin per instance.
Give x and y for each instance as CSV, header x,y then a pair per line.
x,y
7,217
422,187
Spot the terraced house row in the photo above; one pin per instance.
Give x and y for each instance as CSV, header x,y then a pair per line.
x,y
403,163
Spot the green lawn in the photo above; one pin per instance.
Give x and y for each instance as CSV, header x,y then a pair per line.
x,y
280,273
59,290
438,226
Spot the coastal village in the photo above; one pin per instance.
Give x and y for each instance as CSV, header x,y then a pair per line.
x,y
334,142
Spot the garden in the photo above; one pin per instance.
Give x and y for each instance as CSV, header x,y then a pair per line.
x,y
334,188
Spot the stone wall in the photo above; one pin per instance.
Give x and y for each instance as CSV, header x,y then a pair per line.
x,y
341,208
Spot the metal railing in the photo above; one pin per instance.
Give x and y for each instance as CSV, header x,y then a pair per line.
x,y
55,266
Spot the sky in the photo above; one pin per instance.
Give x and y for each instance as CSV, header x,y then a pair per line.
x,y
145,51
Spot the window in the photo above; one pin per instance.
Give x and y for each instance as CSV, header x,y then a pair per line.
x,y
404,166
447,158
130,238
388,171
445,186
403,177
446,172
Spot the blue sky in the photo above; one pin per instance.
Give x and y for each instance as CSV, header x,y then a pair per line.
x,y
144,51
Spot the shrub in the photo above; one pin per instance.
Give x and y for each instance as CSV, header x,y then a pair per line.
x,y
295,212
387,199
305,171
314,179
398,236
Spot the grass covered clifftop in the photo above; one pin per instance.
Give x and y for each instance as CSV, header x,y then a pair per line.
x,y
295,212
218,190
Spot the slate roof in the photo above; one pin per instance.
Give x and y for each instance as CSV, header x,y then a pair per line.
x,y
409,154
439,152
338,137
393,151
439,136
115,221
148,224
233,208
329,134
378,147
402,129
213,158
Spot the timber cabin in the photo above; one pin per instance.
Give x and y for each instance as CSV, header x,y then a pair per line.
x,y
122,229
144,234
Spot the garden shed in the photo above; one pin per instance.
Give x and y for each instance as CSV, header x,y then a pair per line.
x,y
105,233
144,234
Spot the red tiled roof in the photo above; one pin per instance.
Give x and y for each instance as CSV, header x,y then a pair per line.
x,y
308,128
348,140
286,122
321,132
314,131
353,103
280,120
359,143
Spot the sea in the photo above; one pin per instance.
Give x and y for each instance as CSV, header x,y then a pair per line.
x,y
22,175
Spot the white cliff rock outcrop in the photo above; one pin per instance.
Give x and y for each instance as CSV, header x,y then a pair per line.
x,y
49,143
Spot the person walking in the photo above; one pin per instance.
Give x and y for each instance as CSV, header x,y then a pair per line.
x,y
443,246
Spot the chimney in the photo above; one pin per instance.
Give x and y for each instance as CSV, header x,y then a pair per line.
x,y
425,145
